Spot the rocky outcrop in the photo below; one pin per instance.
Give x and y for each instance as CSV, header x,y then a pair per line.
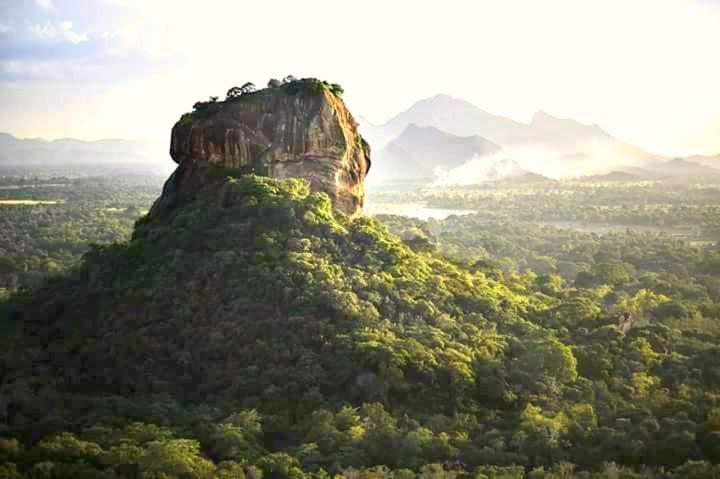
x,y
301,129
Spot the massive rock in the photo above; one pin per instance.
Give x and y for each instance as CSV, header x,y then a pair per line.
x,y
301,129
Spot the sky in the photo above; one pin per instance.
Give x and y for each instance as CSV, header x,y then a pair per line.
x,y
647,71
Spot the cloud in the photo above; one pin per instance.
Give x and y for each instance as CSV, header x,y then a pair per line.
x,y
28,70
54,32
75,41
70,35
587,158
45,4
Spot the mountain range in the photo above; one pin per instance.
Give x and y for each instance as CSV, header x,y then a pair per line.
x,y
454,116
426,142
677,169
425,151
426,137
707,160
92,156
462,118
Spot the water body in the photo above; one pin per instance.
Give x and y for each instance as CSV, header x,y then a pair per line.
x,y
27,202
22,187
413,210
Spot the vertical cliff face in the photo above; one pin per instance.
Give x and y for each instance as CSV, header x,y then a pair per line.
x,y
301,129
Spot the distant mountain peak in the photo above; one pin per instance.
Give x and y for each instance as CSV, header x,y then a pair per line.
x,y
541,116
442,100
7,138
419,151
416,127
445,99
546,124
431,134
452,115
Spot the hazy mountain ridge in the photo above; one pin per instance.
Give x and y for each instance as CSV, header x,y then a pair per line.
x,y
454,116
545,127
115,145
707,160
548,145
677,169
422,151
115,154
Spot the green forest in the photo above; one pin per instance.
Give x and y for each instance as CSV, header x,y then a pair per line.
x,y
256,333
374,240
47,223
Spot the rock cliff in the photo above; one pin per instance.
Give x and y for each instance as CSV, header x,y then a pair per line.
x,y
298,129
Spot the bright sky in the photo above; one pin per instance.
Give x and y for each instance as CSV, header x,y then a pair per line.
x,y
648,71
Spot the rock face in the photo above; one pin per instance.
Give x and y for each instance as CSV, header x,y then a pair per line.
x,y
301,129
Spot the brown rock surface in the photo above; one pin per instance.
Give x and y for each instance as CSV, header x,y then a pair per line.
x,y
301,129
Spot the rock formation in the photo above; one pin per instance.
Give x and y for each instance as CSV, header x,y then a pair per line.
x,y
299,129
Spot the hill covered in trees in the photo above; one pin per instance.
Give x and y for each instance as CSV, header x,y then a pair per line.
x,y
257,326
249,328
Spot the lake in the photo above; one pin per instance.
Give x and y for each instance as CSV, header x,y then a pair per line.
x,y
27,202
413,210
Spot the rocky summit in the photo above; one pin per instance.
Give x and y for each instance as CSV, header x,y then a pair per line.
x,y
297,129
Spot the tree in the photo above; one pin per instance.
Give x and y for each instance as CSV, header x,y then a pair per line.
x,y
336,89
551,283
585,279
577,309
274,83
9,471
671,309
234,92
8,265
248,87
237,437
614,274
67,446
238,91
176,458
280,465
548,358
640,304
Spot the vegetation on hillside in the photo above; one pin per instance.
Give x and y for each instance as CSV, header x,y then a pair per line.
x,y
256,333
655,204
37,240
